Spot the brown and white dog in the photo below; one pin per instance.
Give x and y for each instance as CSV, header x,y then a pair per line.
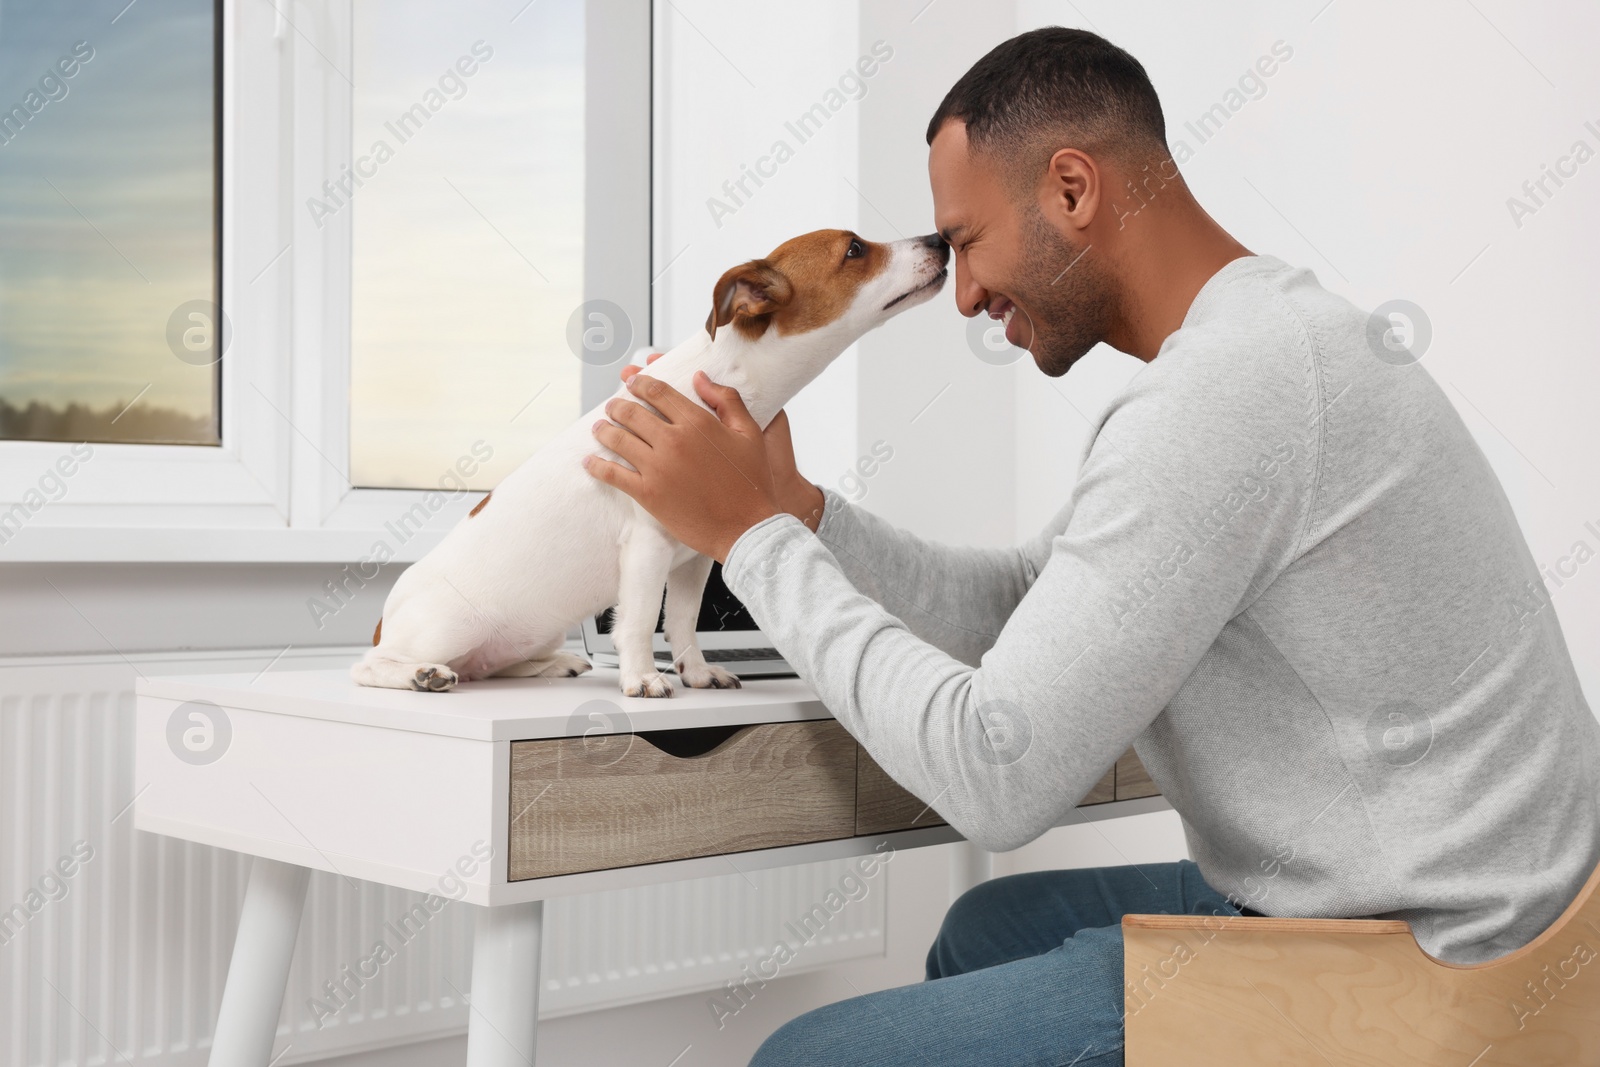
x,y
496,596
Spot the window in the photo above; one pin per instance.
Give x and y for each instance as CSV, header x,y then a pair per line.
x,y
372,337
108,222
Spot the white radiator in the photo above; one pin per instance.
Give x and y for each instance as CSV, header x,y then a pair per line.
x,y
114,943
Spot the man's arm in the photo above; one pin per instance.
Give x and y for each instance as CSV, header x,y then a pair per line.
x,y
1189,503
954,598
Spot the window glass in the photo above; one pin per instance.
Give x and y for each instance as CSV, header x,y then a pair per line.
x,y
466,209
108,221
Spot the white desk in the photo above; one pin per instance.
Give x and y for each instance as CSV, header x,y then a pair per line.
x,y
306,770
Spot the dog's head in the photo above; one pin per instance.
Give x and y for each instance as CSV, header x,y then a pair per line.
x,y
829,279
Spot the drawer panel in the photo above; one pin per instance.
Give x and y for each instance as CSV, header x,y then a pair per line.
x,y
647,798
883,805
1132,779
1104,791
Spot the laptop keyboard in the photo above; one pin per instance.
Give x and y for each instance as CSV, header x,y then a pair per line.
x,y
727,655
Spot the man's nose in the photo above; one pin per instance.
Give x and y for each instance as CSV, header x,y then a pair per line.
x,y
937,243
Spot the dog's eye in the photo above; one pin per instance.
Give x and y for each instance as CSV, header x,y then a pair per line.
x,y
856,250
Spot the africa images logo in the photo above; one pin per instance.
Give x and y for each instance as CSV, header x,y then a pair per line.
x,y
199,732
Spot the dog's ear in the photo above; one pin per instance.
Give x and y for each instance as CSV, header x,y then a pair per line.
x,y
750,293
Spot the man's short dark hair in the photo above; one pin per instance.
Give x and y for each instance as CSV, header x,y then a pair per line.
x,y
1056,86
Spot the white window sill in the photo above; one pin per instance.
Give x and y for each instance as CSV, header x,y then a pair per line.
x,y
145,544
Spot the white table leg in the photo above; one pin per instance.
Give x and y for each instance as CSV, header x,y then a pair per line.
x,y
969,865
253,996
502,1030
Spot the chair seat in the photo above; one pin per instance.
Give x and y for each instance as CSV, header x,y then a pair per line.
x,y
1235,991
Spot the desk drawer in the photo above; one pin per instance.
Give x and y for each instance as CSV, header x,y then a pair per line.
x,y
1133,780
882,804
676,794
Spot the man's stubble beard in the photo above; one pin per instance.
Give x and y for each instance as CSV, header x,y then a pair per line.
x,y
1069,297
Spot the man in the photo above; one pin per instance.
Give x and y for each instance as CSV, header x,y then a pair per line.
x,y
1286,574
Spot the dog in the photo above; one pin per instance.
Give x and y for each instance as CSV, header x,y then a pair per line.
x,y
551,544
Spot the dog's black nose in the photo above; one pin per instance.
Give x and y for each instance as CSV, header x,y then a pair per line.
x,y
937,243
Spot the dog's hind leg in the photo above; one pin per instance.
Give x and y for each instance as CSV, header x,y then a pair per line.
x,y
385,672
646,558
419,641
686,585
557,664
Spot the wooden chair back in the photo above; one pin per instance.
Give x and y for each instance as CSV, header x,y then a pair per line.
x,y
1240,991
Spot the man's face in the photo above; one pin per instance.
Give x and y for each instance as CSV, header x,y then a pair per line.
x,y
1012,256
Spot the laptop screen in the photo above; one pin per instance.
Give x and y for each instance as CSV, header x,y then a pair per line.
x,y
720,610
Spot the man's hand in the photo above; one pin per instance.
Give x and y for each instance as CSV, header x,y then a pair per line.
x,y
705,477
795,494
630,370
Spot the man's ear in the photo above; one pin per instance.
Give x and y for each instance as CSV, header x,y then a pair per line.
x,y
750,292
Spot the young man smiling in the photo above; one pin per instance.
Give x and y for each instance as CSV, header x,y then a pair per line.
x,y
1281,575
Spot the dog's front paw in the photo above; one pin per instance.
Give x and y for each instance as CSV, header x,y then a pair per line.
x,y
654,684
433,679
706,676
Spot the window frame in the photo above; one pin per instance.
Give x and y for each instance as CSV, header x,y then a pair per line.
x,y
277,488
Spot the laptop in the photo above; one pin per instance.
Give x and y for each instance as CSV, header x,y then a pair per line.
x,y
725,632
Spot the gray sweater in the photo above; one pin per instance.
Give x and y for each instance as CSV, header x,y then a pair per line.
x,y
1289,578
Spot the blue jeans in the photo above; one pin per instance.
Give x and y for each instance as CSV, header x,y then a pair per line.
x,y
1026,969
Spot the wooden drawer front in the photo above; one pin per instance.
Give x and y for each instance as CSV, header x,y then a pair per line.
x,y
628,802
1104,791
883,805
1132,779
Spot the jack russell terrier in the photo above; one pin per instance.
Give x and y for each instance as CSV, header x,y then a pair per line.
x,y
496,596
